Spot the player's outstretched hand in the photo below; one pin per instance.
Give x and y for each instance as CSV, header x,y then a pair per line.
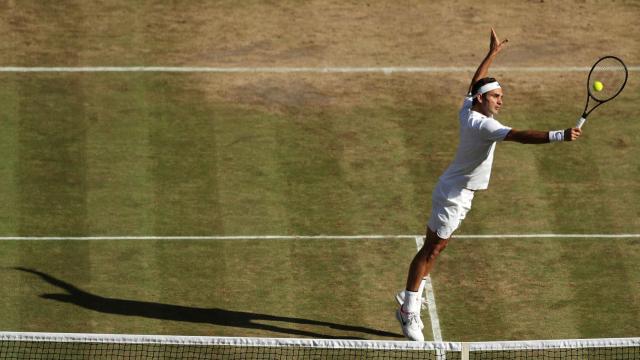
x,y
495,46
572,134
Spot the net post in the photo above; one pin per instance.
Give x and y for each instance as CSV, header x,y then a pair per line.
x,y
465,351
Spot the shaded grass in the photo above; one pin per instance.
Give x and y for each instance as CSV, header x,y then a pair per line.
x,y
120,157
51,164
157,154
208,275
154,154
9,149
185,170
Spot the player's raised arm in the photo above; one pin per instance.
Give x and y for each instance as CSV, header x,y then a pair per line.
x,y
495,46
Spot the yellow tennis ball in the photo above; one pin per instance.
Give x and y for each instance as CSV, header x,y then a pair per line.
x,y
598,86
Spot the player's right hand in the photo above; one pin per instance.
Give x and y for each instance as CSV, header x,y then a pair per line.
x,y
572,134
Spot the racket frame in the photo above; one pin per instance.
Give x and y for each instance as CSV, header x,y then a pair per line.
x,y
590,95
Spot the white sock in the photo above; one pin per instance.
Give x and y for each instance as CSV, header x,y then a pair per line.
x,y
411,301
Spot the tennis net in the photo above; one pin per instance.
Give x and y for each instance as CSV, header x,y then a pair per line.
x,y
109,346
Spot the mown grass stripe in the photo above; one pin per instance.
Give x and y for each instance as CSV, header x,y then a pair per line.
x,y
184,169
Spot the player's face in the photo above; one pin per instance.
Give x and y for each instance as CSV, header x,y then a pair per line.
x,y
492,102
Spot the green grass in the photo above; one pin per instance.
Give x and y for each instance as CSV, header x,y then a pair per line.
x,y
561,289
287,154
302,290
153,155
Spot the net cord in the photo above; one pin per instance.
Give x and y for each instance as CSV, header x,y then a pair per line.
x,y
319,343
227,341
554,344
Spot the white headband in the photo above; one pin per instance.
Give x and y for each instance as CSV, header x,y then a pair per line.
x,y
488,87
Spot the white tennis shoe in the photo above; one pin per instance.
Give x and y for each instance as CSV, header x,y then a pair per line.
x,y
400,300
410,323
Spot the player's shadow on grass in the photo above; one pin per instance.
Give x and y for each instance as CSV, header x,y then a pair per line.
x,y
221,317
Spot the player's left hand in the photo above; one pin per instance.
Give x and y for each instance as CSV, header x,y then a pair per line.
x,y
495,46
572,134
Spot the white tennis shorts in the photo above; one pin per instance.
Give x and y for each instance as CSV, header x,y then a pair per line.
x,y
449,206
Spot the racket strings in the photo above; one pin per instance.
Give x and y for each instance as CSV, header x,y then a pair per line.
x,y
612,75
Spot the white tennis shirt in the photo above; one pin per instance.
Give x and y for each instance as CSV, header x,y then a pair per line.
x,y
471,168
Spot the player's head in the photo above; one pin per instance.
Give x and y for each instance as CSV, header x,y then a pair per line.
x,y
487,96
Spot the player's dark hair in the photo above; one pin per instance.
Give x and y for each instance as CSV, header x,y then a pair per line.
x,y
478,84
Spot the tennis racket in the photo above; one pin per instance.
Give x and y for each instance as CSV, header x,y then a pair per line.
x,y
612,74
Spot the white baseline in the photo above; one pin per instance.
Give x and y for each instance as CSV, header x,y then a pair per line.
x,y
275,69
322,237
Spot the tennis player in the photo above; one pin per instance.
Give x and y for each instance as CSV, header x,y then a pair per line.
x,y
469,172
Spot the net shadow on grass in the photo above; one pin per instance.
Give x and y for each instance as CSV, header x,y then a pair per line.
x,y
214,316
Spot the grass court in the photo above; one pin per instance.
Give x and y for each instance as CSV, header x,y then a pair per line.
x,y
201,154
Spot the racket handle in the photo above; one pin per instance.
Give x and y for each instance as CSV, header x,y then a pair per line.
x,y
581,122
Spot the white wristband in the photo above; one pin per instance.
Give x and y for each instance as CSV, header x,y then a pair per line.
x,y
555,136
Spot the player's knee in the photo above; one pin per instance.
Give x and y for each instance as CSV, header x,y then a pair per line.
x,y
434,255
443,245
438,249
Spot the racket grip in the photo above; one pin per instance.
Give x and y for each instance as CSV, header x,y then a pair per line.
x,y
581,122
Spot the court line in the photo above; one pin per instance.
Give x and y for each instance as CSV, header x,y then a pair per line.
x,y
430,298
319,237
275,69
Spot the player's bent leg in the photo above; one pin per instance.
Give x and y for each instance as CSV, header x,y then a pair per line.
x,y
424,260
410,300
